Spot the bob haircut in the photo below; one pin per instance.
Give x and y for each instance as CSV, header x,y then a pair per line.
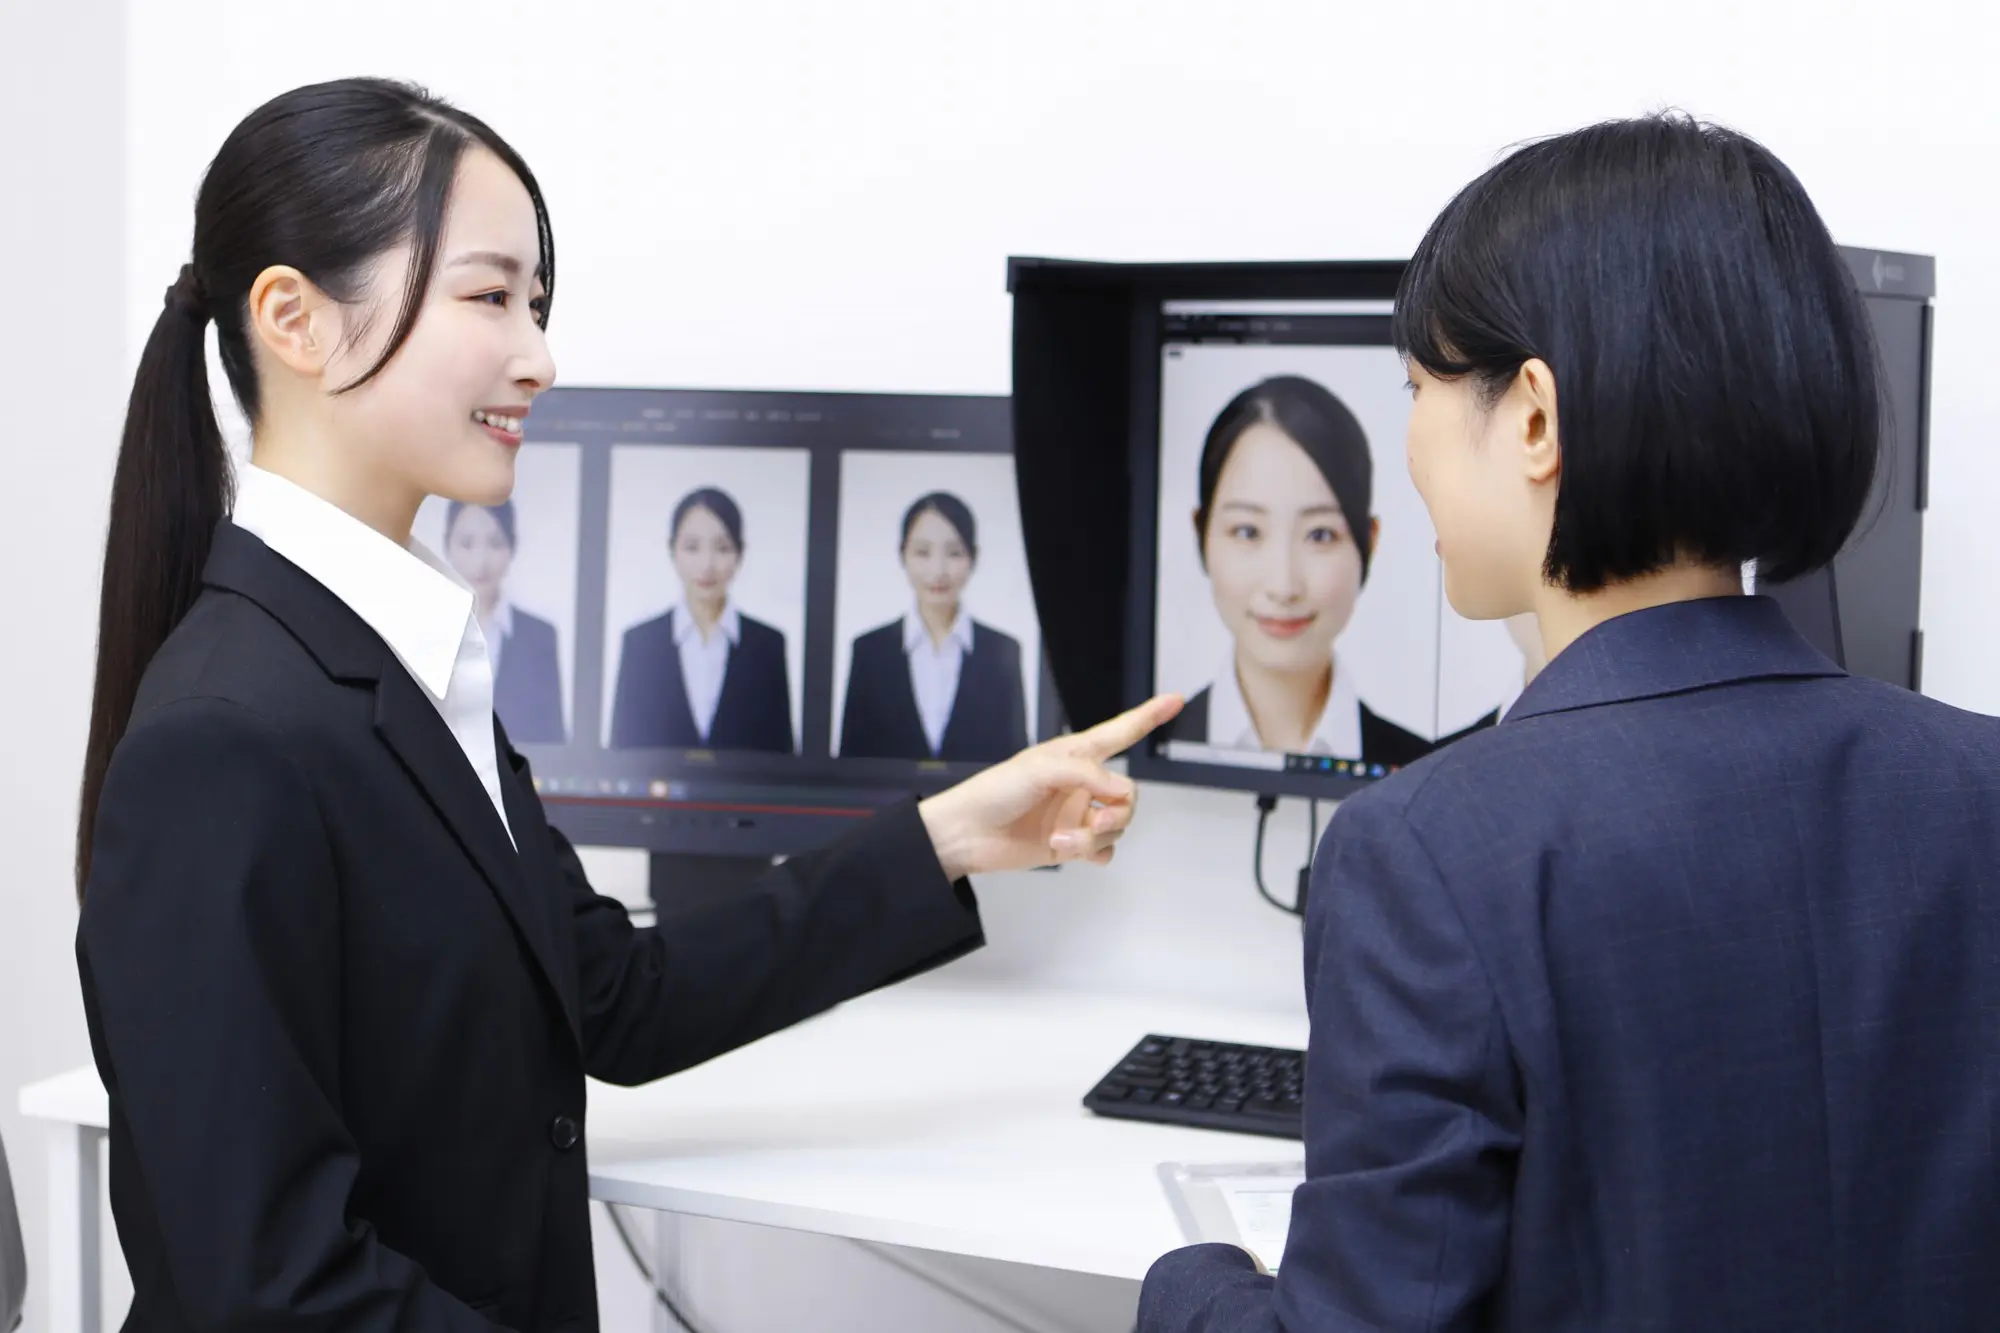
x,y
1716,369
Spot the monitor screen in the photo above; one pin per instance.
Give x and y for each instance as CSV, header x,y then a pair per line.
x,y
732,622
1287,568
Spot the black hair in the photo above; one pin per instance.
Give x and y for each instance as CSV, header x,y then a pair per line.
x,y
949,508
1716,370
715,502
324,178
503,514
1321,425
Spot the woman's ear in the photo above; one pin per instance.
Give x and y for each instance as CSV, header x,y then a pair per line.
x,y
293,320
1535,385
1200,541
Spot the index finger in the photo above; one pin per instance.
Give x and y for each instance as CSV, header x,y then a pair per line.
x,y
1126,730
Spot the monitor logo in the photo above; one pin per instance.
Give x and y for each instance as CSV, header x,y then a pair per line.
x,y
1885,271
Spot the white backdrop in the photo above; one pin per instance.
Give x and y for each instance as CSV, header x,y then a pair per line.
x,y
876,489
542,578
772,489
773,194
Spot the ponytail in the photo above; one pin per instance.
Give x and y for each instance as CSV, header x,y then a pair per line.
x,y
171,488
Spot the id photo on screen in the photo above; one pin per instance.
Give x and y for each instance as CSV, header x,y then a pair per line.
x,y
705,598
1298,593
520,558
936,639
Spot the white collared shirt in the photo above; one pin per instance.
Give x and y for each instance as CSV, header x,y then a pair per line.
x,y
497,629
1337,734
934,670
705,662
415,601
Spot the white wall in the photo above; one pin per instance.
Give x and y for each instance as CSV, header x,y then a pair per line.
x,y
62,358
795,195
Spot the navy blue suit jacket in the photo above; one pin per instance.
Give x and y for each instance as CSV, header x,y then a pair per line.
x,y
527,690
989,714
1670,1003
650,707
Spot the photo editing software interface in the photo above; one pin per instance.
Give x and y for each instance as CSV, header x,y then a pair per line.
x,y
790,607
1295,593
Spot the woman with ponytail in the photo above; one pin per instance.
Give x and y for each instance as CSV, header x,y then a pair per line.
x,y
344,983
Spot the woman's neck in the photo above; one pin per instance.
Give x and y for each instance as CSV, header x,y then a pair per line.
x,y
486,602
707,615
1566,617
1285,706
312,468
938,622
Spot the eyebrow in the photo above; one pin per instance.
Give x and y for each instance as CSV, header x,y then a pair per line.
x,y
511,265
1251,507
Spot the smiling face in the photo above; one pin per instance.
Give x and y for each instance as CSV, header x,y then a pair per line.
x,y
1283,565
706,558
444,416
937,562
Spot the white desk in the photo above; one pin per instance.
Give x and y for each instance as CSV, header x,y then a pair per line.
x,y
925,1116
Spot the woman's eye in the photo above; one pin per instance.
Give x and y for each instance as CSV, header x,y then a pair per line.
x,y
1245,532
1323,536
498,298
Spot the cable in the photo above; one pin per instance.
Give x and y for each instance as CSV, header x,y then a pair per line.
x,y
659,1291
1266,803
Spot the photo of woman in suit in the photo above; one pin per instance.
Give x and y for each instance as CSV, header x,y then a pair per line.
x,y
1285,532
479,542
704,675
935,683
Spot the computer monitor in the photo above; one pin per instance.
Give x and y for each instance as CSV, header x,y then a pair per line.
x,y
1127,376
714,611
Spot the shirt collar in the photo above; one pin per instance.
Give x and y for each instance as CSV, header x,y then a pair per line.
x,y
685,629
407,595
916,633
1336,733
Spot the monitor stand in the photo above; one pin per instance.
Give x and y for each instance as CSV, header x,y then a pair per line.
x,y
680,883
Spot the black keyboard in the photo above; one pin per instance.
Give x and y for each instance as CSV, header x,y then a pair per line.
x,y
1207,1084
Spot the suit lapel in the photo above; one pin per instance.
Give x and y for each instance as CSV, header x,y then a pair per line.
x,y
679,719
550,892
903,704
409,723
971,687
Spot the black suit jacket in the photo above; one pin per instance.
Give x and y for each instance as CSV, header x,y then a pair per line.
x,y
1382,741
989,714
527,690
1667,1004
345,1026
651,704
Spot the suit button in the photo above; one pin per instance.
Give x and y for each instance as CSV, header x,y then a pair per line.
x,y
563,1133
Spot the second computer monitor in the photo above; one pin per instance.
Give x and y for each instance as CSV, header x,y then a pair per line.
x,y
733,621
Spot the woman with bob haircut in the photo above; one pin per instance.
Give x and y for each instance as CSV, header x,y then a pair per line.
x,y
1669,1001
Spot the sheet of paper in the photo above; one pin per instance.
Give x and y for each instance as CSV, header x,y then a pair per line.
x,y
1261,1207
